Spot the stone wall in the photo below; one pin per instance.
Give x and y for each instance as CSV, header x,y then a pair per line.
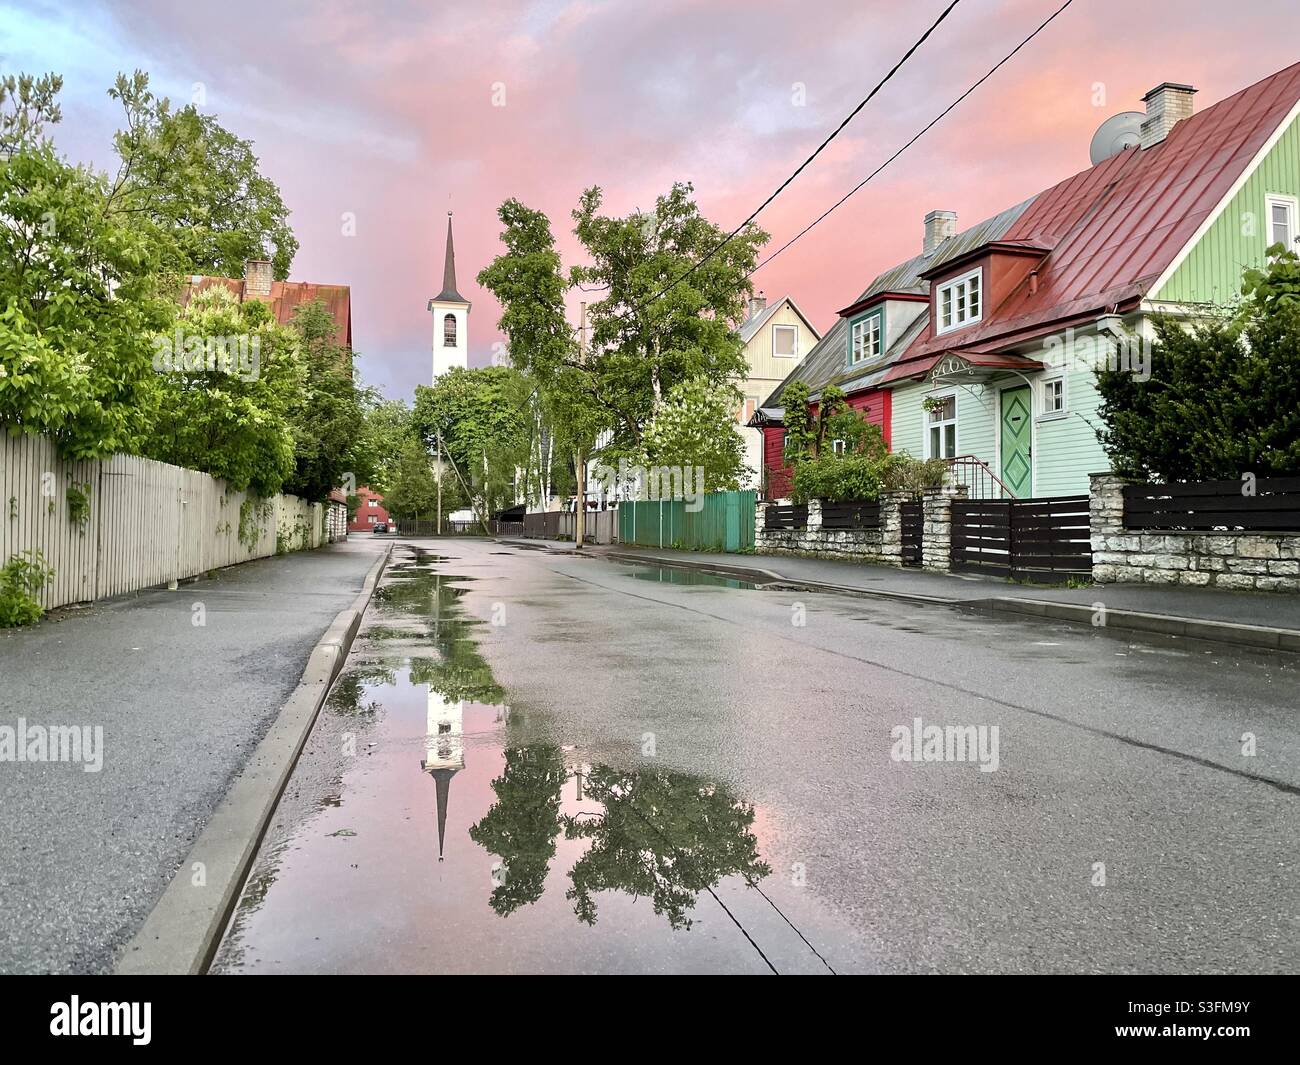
x,y
861,544
1267,562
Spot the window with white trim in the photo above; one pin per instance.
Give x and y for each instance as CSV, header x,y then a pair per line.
x,y
1054,396
837,447
785,341
1282,221
959,302
373,504
865,341
941,428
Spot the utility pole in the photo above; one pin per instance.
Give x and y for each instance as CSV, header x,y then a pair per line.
x,y
580,518
438,529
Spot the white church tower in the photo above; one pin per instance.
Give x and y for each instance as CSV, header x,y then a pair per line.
x,y
450,312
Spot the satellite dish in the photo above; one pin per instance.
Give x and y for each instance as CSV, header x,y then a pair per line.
x,y
1115,134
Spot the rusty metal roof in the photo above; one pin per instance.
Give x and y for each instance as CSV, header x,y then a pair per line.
x,y
286,297
1112,230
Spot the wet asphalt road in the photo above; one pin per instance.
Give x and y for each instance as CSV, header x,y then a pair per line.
x,y
647,775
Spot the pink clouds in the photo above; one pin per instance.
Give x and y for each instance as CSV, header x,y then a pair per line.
x,y
386,111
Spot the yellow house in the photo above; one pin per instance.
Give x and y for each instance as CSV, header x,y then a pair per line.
x,y
776,337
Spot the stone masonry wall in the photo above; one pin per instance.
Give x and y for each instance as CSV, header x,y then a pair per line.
x,y
863,544
1267,562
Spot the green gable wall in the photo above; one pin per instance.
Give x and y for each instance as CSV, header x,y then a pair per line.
x,y
1212,270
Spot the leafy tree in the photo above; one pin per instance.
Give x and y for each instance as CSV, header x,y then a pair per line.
x,y
83,290
191,176
663,320
484,423
414,491
1223,397
385,428
326,414
232,422
696,427
528,282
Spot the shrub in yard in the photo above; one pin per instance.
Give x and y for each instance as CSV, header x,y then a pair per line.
x,y
1223,396
839,478
21,581
903,473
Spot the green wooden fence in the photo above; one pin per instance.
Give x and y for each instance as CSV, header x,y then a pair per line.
x,y
724,523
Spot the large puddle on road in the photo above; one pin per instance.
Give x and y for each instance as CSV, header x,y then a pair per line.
x,y
430,828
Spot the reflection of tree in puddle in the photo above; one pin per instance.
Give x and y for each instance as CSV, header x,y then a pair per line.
x,y
666,836
522,824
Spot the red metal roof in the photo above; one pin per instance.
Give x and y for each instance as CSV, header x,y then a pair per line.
x,y
1113,229
286,297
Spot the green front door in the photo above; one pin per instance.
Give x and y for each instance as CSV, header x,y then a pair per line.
x,y
1017,433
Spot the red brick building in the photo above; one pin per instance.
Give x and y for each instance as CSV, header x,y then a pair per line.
x,y
370,511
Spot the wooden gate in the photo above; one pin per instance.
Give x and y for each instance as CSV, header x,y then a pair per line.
x,y
912,525
1047,540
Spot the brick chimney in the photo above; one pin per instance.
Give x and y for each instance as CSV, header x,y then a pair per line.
x,y
1167,104
939,226
257,279
756,306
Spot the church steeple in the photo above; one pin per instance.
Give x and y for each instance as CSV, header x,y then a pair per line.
x,y
449,293
450,311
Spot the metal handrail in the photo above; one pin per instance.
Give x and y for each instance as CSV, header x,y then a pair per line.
x,y
980,481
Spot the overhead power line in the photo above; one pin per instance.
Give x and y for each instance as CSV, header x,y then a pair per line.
x,y
802,166
933,122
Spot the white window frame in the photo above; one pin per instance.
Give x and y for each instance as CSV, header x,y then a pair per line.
x,y
373,504
837,446
794,348
927,425
1047,412
1292,205
858,331
952,286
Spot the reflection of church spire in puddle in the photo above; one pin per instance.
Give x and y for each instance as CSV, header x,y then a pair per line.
x,y
444,752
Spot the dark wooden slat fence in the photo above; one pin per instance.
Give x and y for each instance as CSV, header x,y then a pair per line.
x,y
1208,506
850,515
1039,539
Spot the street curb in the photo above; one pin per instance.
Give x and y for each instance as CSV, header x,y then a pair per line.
x,y
182,932
1258,636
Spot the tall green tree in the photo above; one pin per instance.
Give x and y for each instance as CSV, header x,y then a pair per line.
x,y
414,491
183,170
83,289
483,421
326,414
663,319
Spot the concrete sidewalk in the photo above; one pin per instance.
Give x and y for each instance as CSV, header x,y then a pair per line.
x,y
85,855
1259,619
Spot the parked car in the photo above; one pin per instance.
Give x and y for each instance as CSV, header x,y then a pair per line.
x,y
380,527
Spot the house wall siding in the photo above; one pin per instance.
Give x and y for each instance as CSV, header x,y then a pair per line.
x,y
1237,238
1068,446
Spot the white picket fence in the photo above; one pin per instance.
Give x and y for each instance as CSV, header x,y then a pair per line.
x,y
144,523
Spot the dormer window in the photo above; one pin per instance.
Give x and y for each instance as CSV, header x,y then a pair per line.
x,y
865,340
959,302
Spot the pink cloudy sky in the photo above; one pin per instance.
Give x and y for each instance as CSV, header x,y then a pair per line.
x,y
385,110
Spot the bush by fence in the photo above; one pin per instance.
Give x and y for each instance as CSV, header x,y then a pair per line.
x,y
123,523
